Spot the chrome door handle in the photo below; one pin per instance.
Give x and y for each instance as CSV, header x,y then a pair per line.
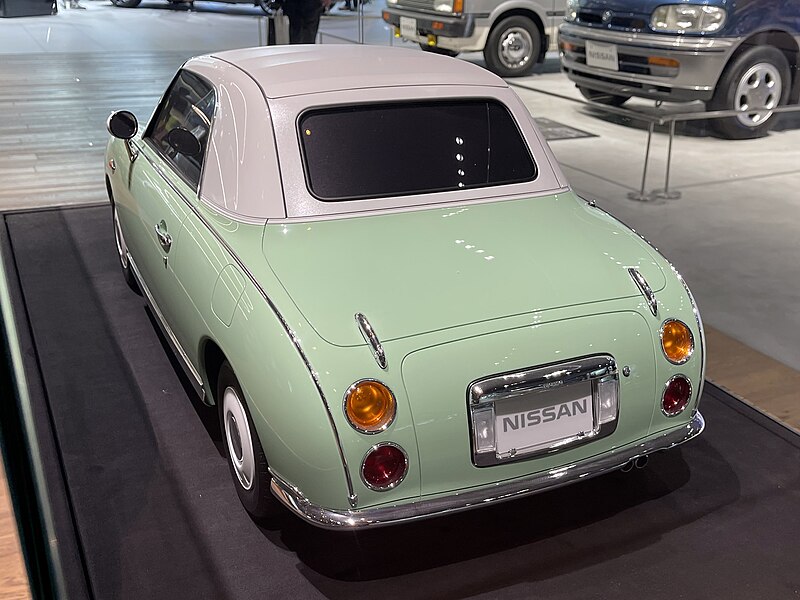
x,y
164,238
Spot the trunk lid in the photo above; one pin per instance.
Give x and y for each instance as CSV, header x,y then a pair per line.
x,y
419,271
437,378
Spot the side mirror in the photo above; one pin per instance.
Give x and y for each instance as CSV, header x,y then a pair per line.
x,y
184,142
122,124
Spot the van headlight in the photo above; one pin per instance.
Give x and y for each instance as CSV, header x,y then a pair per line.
x,y
455,7
688,18
572,10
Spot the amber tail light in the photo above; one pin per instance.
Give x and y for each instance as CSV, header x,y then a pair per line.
x,y
677,341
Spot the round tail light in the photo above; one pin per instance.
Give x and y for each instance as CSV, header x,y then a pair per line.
x,y
676,395
677,341
369,406
384,467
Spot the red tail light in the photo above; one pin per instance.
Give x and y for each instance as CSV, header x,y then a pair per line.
x,y
384,467
676,396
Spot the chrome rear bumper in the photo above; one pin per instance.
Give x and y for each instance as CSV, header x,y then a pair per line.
x,y
491,494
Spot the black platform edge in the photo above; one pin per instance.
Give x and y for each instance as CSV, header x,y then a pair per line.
x,y
753,412
35,542
54,208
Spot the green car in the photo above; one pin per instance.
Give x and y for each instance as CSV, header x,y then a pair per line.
x,y
369,260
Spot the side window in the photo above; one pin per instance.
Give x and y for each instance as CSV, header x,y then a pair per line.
x,y
187,107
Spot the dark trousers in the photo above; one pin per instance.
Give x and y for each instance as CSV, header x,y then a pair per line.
x,y
303,23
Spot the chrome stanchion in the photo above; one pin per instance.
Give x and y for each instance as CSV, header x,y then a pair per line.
x,y
640,196
664,193
360,21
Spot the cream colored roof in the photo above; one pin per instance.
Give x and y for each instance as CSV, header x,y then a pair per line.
x,y
283,71
254,168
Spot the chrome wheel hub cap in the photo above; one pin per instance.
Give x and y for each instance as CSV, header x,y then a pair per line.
x,y
759,88
237,436
516,48
122,249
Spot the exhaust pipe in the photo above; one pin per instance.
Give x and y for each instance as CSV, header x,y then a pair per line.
x,y
641,462
627,467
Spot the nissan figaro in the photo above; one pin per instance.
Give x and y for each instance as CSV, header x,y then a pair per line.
x,y
369,260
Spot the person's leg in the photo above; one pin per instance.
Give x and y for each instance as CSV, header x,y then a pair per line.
x,y
296,30
311,26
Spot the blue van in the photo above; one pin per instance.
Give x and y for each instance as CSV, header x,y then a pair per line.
x,y
732,54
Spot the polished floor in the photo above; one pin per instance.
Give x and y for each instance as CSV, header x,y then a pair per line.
x,y
733,234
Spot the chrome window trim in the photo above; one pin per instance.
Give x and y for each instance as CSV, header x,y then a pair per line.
x,y
644,289
391,486
372,339
488,390
458,501
356,427
661,341
146,135
664,391
352,496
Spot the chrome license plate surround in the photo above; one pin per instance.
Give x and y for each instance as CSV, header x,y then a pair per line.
x,y
531,385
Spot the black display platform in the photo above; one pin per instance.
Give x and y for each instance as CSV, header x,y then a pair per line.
x,y
140,483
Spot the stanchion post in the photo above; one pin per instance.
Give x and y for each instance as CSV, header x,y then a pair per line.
x,y
640,196
360,21
665,194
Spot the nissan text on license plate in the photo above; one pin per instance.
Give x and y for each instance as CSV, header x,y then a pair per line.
x,y
603,56
408,28
540,420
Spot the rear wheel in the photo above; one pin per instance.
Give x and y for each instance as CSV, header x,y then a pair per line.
x,y
758,78
513,47
126,3
603,97
246,459
438,50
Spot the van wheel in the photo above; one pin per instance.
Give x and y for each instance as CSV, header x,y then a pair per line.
x,y
126,3
246,459
514,47
757,78
437,50
602,97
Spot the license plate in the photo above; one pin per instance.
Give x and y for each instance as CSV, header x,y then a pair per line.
x,y
540,420
408,28
602,56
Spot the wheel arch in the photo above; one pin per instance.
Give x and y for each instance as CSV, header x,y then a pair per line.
x,y
291,415
211,357
520,11
782,41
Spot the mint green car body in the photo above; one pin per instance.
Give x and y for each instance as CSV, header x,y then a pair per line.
x,y
455,291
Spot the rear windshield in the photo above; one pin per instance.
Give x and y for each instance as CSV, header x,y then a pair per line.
x,y
376,150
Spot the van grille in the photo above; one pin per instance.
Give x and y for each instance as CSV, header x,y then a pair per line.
x,y
420,5
621,21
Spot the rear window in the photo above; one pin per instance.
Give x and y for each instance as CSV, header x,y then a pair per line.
x,y
378,150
